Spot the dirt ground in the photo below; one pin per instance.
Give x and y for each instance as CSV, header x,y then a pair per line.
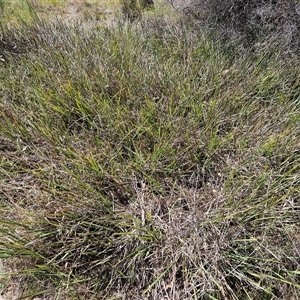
x,y
87,10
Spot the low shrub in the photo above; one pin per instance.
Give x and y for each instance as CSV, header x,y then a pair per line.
x,y
132,9
251,20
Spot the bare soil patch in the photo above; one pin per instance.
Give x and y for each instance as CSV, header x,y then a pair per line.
x,y
78,10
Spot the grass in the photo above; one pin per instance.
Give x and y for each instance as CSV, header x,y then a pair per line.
x,y
146,160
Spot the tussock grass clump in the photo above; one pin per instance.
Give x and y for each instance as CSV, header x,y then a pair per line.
x,y
142,162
